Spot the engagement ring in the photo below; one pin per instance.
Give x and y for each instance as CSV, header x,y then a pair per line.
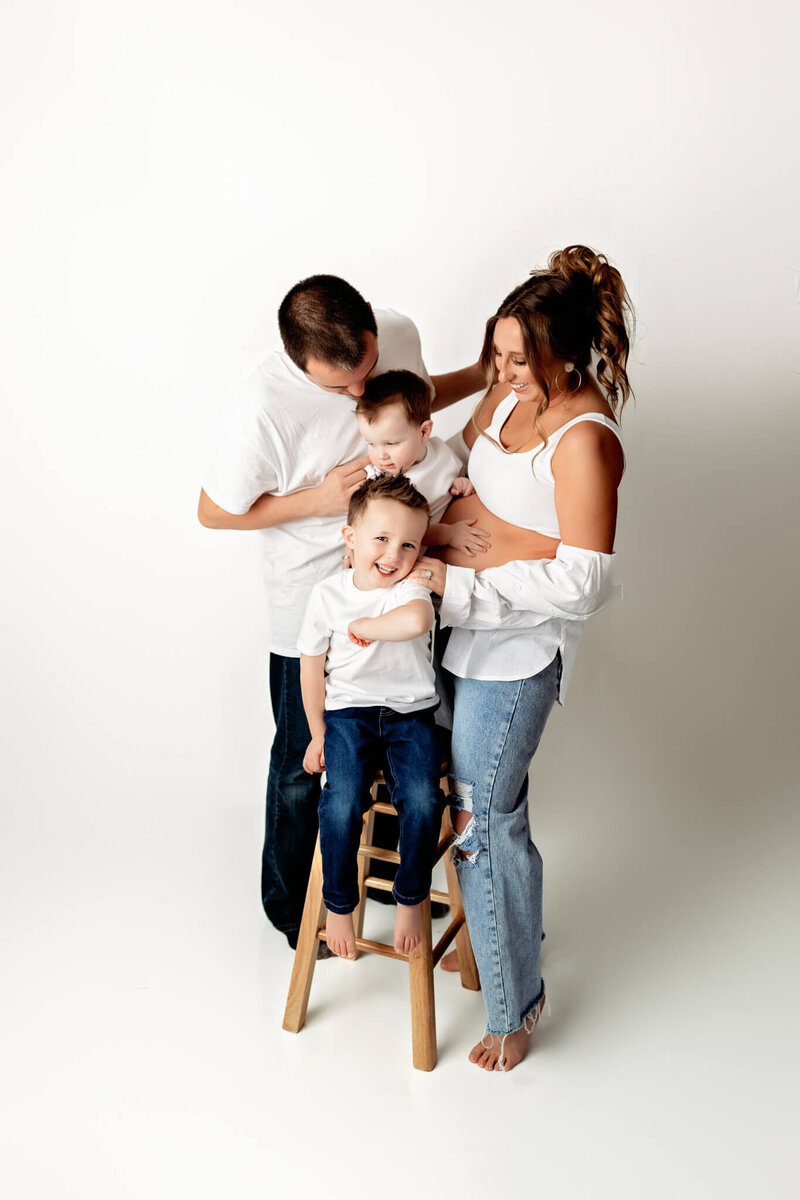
x,y
429,574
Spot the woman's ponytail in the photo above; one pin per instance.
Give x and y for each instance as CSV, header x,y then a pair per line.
x,y
593,281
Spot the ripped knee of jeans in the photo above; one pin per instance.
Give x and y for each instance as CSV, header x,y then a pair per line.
x,y
465,846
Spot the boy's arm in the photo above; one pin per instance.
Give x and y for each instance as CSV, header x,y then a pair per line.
x,y
312,686
402,624
327,499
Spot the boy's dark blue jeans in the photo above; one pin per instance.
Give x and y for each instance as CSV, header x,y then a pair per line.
x,y
358,743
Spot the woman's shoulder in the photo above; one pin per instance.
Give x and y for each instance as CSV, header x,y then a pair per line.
x,y
585,418
589,439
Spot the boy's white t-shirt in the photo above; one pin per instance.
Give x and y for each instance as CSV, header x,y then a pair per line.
x,y
397,675
433,475
282,434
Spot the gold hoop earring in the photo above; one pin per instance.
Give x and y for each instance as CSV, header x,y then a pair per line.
x,y
569,368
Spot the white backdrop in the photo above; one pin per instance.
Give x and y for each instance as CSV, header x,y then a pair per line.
x,y
169,170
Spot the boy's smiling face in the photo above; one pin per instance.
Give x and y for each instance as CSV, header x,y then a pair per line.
x,y
395,442
384,543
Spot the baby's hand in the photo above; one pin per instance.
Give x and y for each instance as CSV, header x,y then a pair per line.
x,y
468,539
314,757
461,487
359,641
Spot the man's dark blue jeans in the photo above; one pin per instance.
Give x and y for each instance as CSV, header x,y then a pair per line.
x,y
292,799
359,742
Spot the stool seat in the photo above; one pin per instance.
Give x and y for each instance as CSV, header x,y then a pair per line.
x,y
422,959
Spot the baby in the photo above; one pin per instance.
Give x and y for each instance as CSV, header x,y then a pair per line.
x,y
394,416
369,696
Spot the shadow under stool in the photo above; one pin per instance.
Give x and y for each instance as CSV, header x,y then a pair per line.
x,y
423,957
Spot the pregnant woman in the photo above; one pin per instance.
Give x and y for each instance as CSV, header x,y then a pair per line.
x,y
546,460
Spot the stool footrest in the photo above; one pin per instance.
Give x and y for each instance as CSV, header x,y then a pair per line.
x,y
371,947
383,806
389,951
382,885
447,937
377,852
392,856
386,885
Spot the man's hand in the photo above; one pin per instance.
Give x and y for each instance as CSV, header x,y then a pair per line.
x,y
333,494
462,486
314,757
467,538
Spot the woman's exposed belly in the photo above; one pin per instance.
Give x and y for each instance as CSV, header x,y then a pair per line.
x,y
508,541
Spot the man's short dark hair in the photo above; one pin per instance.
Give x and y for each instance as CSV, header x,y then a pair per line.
x,y
324,317
395,387
386,487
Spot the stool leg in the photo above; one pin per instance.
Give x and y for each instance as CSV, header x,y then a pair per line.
x,y
423,1012
363,871
466,959
305,956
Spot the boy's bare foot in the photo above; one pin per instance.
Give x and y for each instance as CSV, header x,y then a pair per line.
x,y
341,934
407,928
487,1052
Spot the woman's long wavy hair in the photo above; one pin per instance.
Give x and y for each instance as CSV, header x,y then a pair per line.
x,y
576,306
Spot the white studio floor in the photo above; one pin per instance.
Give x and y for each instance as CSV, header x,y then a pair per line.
x,y
143,1054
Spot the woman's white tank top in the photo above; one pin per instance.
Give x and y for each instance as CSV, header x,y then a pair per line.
x,y
519,487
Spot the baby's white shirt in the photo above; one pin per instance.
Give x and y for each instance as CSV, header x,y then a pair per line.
x,y
432,476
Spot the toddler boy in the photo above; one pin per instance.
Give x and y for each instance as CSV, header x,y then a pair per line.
x,y
394,417
369,696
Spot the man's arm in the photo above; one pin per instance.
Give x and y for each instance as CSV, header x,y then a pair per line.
x,y
312,686
455,385
328,499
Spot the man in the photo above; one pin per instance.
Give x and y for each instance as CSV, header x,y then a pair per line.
x,y
286,463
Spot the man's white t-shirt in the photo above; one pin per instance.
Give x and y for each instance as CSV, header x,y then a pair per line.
x,y
282,434
397,675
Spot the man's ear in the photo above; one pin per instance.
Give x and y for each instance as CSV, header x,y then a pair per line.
x,y
426,429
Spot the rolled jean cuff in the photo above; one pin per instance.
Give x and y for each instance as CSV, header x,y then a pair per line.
x,y
525,1015
341,910
410,901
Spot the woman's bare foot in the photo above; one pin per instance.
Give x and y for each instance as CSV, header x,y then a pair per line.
x,y
341,934
407,928
487,1052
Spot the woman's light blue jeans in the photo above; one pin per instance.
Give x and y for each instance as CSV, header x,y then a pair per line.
x,y
497,726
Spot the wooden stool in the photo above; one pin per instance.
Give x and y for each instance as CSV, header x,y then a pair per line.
x,y
423,957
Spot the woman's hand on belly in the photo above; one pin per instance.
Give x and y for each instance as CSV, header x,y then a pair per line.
x,y
508,542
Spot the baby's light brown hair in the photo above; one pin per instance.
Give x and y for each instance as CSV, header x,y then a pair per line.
x,y
395,387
